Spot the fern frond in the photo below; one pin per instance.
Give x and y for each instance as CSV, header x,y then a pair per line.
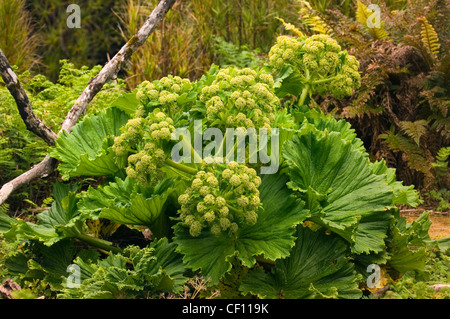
x,y
313,21
414,129
4,208
360,111
361,13
443,154
291,27
415,155
442,161
429,37
364,15
441,125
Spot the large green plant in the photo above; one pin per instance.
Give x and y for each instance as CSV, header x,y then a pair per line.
x,y
404,65
308,230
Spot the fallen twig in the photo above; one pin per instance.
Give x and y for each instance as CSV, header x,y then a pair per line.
x,y
109,71
32,122
438,287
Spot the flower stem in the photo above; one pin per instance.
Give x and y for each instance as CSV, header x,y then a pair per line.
x,y
305,90
303,95
99,243
188,144
324,80
181,167
239,211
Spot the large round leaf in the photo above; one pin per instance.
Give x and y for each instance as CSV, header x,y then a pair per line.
x,y
272,235
87,150
316,268
340,188
126,202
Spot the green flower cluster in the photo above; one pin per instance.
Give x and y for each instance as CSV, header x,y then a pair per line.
x,y
221,200
287,50
164,93
344,82
132,133
324,67
161,126
144,138
240,98
145,165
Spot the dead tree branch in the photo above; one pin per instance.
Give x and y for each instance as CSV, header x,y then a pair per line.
x,y
40,170
32,122
109,71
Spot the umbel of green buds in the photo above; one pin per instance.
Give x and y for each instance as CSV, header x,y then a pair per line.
x,y
145,165
240,98
221,199
323,66
142,142
128,141
163,94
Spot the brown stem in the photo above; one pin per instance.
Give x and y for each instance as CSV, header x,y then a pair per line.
x,y
113,66
43,169
109,71
32,122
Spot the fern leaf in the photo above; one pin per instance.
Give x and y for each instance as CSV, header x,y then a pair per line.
x,y
443,154
313,21
381,33
291,27
364,16
441,163
414,154
4,208
414,129
429,37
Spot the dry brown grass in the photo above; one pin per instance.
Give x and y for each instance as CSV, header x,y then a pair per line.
x,y
183,44
17,40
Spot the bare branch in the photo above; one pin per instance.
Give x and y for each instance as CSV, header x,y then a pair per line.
x,y
32,122
109,71
43,169
111,68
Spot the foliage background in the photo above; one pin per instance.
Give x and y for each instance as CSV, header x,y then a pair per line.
x,y
400,112
404,91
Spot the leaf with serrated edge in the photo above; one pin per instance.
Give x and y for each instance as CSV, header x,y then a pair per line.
x,y
272,235
326,167
316,268
86,151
